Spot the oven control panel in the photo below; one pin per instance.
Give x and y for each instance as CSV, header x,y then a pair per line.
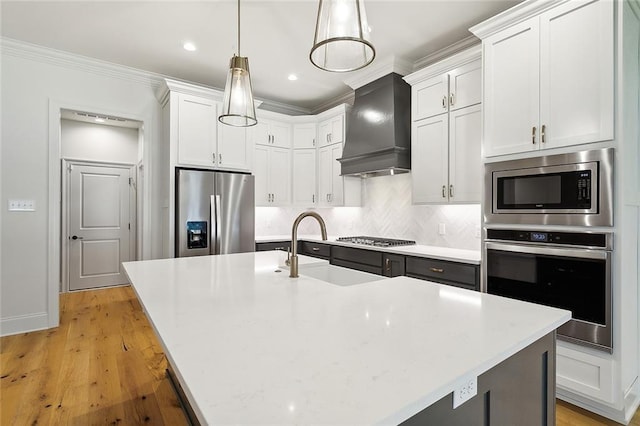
x,y
589,239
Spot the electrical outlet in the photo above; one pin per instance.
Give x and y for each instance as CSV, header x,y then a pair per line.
x,y
22,205
441,229
467,390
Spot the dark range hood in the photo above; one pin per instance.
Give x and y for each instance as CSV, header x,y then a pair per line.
x,y
378,137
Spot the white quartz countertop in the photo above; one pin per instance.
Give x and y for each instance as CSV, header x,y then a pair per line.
x,y
253,346
432,252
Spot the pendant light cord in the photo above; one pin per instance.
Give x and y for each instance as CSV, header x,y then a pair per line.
x,y
238,27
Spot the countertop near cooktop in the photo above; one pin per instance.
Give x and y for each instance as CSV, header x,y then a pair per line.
x,y
432,252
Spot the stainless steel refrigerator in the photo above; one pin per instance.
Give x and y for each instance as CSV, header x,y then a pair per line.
x,y
215,213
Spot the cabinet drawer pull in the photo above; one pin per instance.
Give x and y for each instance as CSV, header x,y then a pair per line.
x,y
313,198
451,99
533,135
444,191
315,248
543,132
387,264
451,191
444,102
220,158
213,157
439,270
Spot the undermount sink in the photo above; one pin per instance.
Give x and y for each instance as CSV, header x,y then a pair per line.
x,y
338,275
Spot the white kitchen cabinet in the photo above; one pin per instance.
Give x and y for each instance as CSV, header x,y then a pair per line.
x,y
446,164
335,190
271,168
304,135
446,130
549,80
203,142
271,132
452,90
234,150
196,131
304,177
331,130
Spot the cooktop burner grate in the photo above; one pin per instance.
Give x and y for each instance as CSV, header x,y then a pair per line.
x,y
375,241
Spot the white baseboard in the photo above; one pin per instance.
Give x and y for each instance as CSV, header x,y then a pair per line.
x,y
24,324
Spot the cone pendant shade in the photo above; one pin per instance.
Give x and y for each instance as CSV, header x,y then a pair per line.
x,y
237,106
341,41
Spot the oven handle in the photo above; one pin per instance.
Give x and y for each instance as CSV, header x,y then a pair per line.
x,y
565,252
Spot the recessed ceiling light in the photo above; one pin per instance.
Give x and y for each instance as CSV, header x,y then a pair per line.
x,y
189,46
292,77
99,120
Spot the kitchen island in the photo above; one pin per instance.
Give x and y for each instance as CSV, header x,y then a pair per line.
x,y
249,345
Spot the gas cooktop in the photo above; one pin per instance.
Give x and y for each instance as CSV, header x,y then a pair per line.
x,y
375,241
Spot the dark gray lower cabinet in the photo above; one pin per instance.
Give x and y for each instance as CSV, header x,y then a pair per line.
x,y
441,271
359,259
393,265
518,391
282,245
322,251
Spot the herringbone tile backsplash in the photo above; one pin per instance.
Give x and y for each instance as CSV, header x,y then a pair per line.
x,y
386,212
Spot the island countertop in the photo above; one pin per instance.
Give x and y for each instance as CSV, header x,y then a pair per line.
x,y
252,346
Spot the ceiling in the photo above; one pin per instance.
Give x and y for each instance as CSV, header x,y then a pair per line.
x,y
276,36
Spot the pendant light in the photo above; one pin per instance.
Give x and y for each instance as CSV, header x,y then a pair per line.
x,y
237,106
341,41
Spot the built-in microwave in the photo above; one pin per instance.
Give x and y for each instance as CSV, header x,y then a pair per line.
x,y
566,189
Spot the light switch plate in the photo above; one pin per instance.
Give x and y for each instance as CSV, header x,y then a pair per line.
x,y
22,205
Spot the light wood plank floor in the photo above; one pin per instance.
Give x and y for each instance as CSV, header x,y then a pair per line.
x,y
104,365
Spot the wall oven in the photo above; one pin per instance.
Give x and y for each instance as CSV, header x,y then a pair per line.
x,y
567,189
569,270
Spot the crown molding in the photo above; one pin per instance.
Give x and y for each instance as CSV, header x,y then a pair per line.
x,y
34,52
168,85
379,69
283,108
446,52
516,14
346,98
445,65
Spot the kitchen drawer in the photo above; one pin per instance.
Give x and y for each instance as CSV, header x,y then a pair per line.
x,y
323,251
281,245
444,272
361,260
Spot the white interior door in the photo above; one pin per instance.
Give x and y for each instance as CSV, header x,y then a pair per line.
x,y
99,225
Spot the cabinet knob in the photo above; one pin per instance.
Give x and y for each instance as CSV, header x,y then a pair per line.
x,y
533,135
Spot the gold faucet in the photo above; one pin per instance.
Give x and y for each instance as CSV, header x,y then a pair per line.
x,y
293,261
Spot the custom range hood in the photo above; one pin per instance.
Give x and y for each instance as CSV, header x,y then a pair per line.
x,y
378,138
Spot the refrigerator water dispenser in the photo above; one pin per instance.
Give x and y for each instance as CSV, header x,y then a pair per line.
x,y
196,235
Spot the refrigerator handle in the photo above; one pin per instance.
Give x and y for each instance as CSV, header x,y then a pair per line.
x,y
215,224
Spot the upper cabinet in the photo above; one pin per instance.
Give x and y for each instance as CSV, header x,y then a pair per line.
x,y
452,90
446,130
197,139
196,131
304,135
331,130
271,132
548,80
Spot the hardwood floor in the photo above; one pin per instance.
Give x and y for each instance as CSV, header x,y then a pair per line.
x,y
104,365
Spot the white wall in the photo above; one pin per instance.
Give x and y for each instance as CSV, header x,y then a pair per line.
x,y
31,82
98,142
386,212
